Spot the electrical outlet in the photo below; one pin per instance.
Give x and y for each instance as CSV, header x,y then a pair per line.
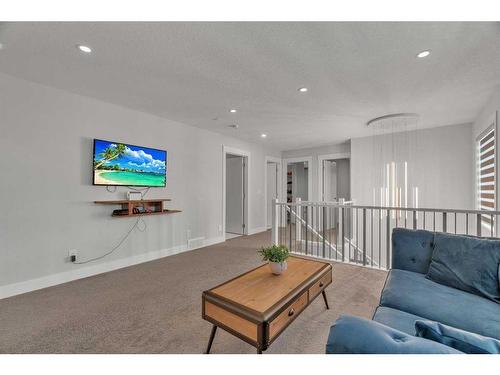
x,y
188,234
220,228
72,253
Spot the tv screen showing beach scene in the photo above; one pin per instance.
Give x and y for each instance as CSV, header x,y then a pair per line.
x,y
120,164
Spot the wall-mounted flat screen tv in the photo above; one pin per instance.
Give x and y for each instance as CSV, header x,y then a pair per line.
x,y
121,164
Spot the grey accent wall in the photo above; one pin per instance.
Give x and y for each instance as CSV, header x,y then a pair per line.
x,y
46,192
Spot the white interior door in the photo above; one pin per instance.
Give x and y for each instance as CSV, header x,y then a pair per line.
x,y
334,184
235,194
329,181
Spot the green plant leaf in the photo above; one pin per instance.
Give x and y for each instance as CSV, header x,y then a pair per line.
x,y
274,253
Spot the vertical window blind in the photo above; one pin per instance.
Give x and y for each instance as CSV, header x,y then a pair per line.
x,y
487,175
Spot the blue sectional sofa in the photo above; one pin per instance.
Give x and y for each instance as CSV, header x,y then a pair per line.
x,y
435,277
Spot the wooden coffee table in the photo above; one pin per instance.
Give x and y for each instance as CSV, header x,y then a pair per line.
x,y
257,305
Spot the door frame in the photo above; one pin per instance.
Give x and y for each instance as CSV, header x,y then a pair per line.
x,y
309,159
278,161
246,200
321,158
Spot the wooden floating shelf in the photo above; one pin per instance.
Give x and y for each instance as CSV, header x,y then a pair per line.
x,y
164,212
126,201
142,207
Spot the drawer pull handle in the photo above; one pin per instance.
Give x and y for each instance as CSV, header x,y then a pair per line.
x,y
291,312
321,284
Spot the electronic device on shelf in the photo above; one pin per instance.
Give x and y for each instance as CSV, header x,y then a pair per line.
x,y
134,195
142,210
122,212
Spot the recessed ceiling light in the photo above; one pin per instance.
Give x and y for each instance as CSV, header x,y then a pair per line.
x,y
85,49
263,135
233,110
303,89
424,54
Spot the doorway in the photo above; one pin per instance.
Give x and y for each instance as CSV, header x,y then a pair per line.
x,y
236,192
297,181
334,184
335,179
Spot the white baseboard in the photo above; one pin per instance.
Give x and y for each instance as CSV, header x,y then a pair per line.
x,y
213,241
257,230
80,273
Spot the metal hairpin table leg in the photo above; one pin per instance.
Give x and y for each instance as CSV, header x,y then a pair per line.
x,y
211,339
326,301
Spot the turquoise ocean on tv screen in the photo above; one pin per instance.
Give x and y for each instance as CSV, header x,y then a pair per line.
x,y
134,178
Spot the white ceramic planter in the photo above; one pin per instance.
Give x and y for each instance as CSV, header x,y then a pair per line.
x,y
278,268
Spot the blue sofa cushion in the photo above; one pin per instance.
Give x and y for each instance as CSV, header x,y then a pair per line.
x,y
397,319
466,263
353,335
467,342
412,249
415,294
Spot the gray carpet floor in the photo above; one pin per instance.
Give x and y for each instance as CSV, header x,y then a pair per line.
x,y
155,307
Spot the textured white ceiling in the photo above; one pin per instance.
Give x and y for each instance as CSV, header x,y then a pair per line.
x,y
195,72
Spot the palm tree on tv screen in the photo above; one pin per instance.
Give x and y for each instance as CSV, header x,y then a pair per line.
x,y
111,153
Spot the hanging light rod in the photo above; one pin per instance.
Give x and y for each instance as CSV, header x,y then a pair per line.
x,y
393,116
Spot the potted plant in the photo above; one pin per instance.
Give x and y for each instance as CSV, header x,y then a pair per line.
x,y
276,255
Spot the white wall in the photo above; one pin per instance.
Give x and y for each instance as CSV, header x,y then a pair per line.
x,y
489,110
46,193
439,164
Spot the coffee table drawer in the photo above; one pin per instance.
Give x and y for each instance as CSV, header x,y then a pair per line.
x,y
319,285
287,315
232,321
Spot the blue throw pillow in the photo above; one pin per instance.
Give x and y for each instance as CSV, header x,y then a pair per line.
x,y
467,342
353,335
467,263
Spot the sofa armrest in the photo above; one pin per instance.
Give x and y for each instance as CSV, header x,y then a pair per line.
x,y
353,335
